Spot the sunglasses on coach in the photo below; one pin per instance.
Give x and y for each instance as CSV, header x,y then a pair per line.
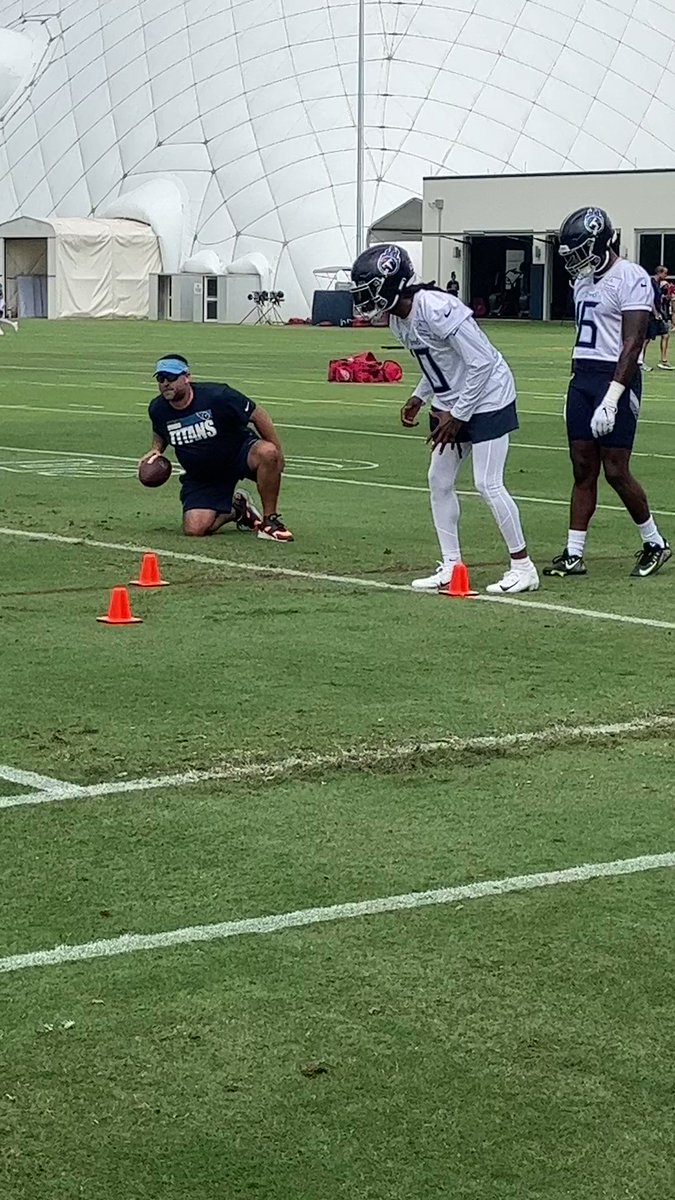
x,y
164,377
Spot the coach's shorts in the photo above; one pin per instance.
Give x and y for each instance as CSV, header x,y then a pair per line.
x,y
217,496
586,391
483,427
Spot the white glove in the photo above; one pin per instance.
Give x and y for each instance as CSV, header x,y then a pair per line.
x,y
604,417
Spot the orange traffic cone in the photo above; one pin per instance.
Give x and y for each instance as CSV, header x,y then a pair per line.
x,y
150,576
119,609
459,586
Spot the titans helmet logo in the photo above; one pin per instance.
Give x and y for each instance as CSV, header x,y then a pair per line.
x,y
389,261
594,222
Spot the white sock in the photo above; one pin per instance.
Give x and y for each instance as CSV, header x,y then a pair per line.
x,y
649,532
576,540
522,564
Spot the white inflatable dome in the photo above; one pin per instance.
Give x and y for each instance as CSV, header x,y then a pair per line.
x,y
240,113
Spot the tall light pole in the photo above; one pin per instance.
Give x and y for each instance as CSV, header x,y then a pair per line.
x,y
360,124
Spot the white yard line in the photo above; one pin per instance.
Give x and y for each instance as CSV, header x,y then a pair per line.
x,y
320,577
29,779
592,613
95,410
131,943
394,487
361,757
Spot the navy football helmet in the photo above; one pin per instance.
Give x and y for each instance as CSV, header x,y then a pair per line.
x,y
379,275
587,238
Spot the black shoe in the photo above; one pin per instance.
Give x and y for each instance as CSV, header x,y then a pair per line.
x,y
566,564
247,515
650,559
272,529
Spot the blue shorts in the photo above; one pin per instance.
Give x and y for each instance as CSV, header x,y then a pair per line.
x,y
483,427
218,495
586,391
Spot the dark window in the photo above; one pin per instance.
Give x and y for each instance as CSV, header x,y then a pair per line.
x,y
651,251
668,253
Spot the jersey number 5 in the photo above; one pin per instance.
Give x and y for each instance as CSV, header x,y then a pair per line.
x,y
432,371
587,330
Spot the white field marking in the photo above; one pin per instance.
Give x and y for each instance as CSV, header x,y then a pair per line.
x,y
541,412
99,411
280,402
307,381
44,783
544,606
394,487
416,438
319,577
77,456
411,487
131,943
555,736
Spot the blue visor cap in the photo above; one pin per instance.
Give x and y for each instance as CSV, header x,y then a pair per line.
x,y
172,366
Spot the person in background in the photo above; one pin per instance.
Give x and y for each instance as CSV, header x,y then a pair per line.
x,y
4,320
655,325
666,313
453,285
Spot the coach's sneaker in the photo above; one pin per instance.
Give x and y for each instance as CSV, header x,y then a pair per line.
x,y
272,529
650,559
248,517
431,583
566,564
515,580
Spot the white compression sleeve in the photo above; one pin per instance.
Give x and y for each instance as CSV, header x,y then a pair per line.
x,y
489,461
443,471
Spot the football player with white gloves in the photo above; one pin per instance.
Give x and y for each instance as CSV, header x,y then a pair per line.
x,y
613,301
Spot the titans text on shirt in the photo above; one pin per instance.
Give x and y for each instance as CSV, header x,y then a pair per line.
x,y
209,434
600,304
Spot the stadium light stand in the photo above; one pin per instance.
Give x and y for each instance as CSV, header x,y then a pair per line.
x,y
360,126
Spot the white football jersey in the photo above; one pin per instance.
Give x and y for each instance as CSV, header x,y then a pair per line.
x,y
599,306
462,372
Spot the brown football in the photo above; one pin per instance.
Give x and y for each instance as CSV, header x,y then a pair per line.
x,y
154,473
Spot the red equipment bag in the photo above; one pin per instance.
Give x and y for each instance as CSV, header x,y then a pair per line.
x,y
363,368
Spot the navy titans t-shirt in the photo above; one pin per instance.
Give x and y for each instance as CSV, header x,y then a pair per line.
x,y
209,434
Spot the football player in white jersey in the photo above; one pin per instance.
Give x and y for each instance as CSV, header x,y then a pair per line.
x,y
613,301
472,398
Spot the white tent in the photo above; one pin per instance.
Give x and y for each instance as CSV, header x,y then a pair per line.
x,y
72,267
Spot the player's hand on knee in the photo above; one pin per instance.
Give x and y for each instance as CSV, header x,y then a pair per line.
x,y
410,412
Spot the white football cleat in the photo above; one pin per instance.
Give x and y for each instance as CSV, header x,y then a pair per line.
x,y
515,581
431,583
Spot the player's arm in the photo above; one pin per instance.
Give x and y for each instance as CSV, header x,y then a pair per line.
x,y
634,334
479,361
263,423
158,447
411,409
